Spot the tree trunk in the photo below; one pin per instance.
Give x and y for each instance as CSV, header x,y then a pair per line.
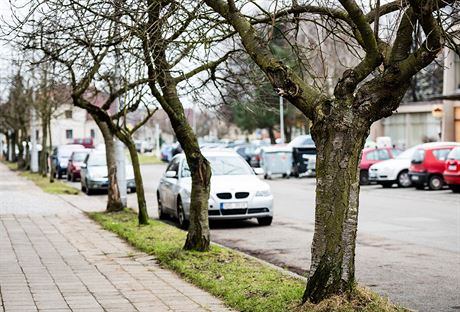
x,y
21,161
339,141
113,199
13,146
43,153
142,215
50,147
271,134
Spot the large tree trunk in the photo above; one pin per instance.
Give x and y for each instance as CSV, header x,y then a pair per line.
x,y
339,141
114,202
142,214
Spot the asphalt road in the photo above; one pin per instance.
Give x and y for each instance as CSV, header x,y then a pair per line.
x,y
408,241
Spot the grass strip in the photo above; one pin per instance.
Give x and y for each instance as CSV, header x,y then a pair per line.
x,y
13,166
241,282
145,159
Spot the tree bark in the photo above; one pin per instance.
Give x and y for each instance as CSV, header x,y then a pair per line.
x,y
142,215
339,142
43,153
271,134
114,202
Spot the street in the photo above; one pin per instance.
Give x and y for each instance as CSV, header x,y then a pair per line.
x,y
408,241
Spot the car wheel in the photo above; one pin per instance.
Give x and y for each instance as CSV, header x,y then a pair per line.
x,y
83,188
404,179
265,221
363,177
59,174
436,183
72,178
387,184
183,222
68,176
161,214
88,190
455,188
133,190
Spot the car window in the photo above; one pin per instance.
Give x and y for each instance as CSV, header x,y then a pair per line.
x,y
383,154
80,156
185,172
418,157
174,165
372,155
97,160
454,154
223,165
396,152
441,154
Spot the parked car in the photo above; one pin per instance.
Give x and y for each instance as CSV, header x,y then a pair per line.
x,y
246,151
236,191
428,164
303,156
143,146
452,171
75,161
60,158
370,156
94,174
86,142
391,171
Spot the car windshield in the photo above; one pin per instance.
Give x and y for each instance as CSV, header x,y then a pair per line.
x,y
224,165
80,156
407,154
65,153
454,154
301,140
97,160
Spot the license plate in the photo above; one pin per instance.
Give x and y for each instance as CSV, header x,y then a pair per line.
x,y
233,205
372,175
452,167
414,178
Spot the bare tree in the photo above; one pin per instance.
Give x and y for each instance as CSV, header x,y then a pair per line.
x,y
381,37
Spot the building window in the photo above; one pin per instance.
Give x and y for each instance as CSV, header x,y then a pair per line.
x,y
69,134
68,114
92,133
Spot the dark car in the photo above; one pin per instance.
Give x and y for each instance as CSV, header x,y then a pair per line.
x,y
246,151
60,158
74,166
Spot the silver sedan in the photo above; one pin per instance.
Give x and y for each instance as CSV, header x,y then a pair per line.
x,y
236,191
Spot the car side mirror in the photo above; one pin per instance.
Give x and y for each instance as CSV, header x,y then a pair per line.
x,y
259,171
171,174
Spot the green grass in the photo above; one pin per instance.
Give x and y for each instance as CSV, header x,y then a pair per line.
x,y
241,282
13,166
57,187
145,159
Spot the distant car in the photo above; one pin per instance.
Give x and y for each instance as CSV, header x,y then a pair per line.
x,y
60,158
86,142
302,140
391,171
370,156
246,151
428,164
94,174
303,156
452,170
166,152
143,146
75,161
236,191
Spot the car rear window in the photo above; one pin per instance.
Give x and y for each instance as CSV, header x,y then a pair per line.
x,y
454,154
418,157
441,154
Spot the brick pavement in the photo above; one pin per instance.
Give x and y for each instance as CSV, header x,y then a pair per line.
x,y
53,258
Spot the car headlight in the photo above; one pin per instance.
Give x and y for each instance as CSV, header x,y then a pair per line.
x,y
264,193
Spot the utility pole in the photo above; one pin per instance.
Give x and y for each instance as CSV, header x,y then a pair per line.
x,y
119,146
33,139
157,140
282,119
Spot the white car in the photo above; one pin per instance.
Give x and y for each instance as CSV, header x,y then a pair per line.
x,y
391,171
236,191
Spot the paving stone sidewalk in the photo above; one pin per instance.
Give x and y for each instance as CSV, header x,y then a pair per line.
x,y
53,258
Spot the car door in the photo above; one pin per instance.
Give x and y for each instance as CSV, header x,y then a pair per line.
x,y
84,171
167,185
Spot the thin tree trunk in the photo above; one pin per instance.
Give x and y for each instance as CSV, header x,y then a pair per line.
x,y
20,159
271,134
8,146
13,146
142,215
114,202
52,168
43,158
339,144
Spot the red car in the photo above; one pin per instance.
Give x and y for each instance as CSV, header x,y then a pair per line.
x,y
428,164
372,155
452,170
73,168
